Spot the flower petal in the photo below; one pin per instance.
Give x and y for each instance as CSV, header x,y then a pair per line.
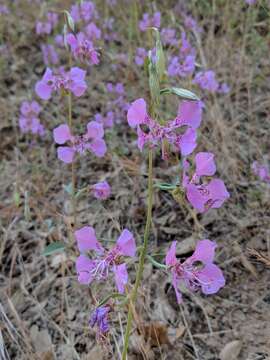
x,y
83,267
204,252
121,277
211,279
95,130
137,113
126,243
190,113
86,239
66,154
205,164
171,259
61,134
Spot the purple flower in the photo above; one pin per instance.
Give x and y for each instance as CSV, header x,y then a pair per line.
x,y
207,81
191,24
92,141
261,171
47,26
85,11
140,56
83,49
204,196
4,10
168,36
148,21
224,88
107,121
92,31
50,55
28,120
106,261
189,114
64,82
250,2
196,272
101,190
100,318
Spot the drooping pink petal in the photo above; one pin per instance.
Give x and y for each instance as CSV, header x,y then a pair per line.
x,y
195,197
190,113
66,154
171,259
126,243
95,130
204,252
121,277
142,138
83,267
61,134
86,239
176,282
218,192
205,164
211,279
187,142
98,147
137,113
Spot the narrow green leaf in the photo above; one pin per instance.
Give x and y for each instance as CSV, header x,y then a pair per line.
x,y
110,296
183,93
53,248
155,263
165,186
69,20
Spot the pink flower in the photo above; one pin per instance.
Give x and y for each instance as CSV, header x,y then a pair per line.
x,y
65,81
85,11
92,140
148,21
100,318
261,171
83,49
197,271
106,261
168,36
207,81
204,196
101,190
189,115
92,31
28,120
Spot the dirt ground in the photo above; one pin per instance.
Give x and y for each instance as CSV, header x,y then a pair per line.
x,y
44,311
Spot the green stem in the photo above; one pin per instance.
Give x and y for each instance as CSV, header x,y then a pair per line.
x,y
73,199
139,274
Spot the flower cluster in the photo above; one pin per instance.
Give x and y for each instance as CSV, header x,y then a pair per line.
x,y
189,116
28,120
71,81
92,141
196,272
85,11
261,171
83,49
207,81
50,56
46,27
105,261
204,196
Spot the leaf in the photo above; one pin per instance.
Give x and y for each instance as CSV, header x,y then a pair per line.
x,y
68,188
231,350
183,93
53,248
165,186
69,20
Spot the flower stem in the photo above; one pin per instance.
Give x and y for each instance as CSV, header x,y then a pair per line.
x,y
73,199
139,274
